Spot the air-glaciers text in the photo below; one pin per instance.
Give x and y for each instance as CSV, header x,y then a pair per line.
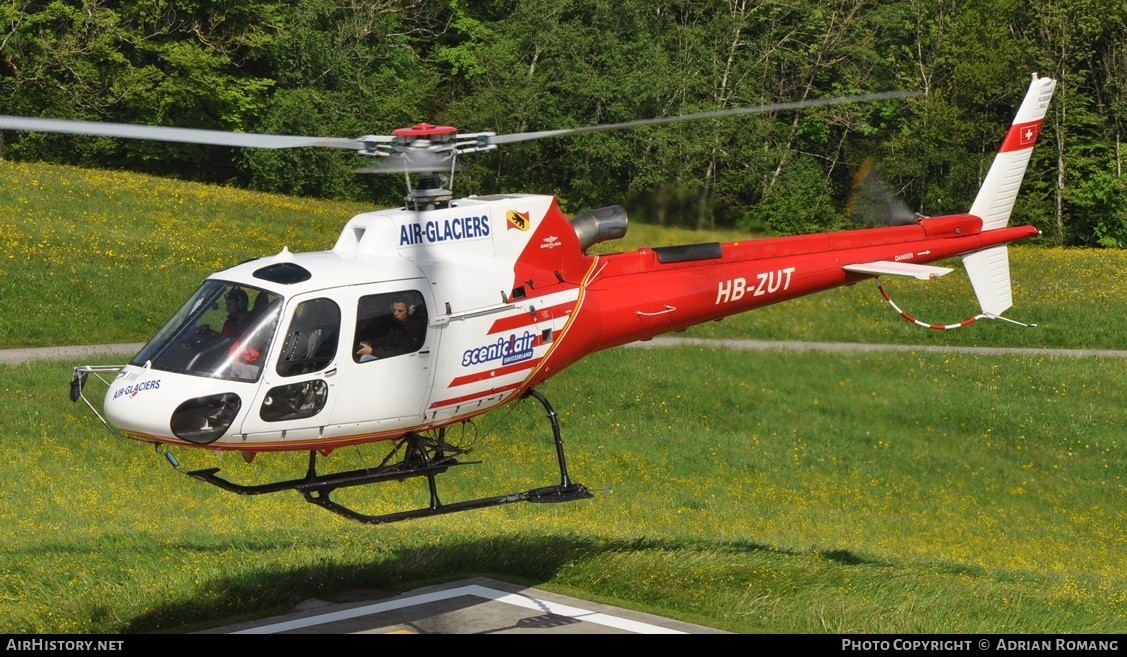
x,y
444,230
135,388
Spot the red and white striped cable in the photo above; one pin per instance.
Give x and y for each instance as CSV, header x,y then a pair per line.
x,y
937,327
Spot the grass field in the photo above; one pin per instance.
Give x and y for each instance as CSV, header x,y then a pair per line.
x,y
776,491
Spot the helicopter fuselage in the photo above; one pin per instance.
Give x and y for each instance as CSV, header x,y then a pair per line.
x,y
504,295
307,387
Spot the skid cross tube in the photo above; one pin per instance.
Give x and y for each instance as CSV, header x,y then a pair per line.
x,y
314,481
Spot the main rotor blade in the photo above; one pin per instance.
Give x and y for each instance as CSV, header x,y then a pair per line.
x,y
183,135
776,107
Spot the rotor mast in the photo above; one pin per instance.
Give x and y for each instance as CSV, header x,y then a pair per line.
x,y
418,146
428,150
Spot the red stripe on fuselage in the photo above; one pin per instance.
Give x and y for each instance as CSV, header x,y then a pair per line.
x,y
500,371
523,320
477,395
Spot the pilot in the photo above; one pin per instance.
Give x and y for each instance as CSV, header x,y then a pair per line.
x,y
238,319
237,315
405,336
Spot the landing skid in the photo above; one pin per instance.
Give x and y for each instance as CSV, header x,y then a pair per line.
x,y
418,456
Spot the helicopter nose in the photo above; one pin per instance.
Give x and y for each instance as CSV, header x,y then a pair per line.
x,y
161,406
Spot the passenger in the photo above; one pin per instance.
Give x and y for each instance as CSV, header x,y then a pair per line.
x,y
406,335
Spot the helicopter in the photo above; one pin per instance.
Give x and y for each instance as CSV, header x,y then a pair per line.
x,y
429,315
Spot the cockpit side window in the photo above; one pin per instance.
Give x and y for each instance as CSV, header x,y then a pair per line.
x,y
389,325
311,343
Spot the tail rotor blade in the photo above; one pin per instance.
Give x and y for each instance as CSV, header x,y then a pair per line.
x,y
872,203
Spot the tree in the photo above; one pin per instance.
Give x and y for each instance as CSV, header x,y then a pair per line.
x,y
344,68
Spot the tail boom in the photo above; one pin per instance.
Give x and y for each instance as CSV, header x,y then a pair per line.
x,y
634,296
637,295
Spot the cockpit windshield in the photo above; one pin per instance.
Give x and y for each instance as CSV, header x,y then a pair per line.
x,y
223,332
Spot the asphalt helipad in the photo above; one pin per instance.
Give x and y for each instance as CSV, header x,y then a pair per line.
x,y
473,606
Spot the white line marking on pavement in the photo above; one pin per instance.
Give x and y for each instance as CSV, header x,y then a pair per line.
x,y
518,600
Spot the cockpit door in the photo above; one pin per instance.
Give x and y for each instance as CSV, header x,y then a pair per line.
x,y
299,385
385,390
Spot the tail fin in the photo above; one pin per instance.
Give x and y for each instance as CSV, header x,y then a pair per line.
x,y
989,270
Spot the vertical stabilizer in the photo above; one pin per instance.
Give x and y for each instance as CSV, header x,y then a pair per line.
x,y
996,198
989,270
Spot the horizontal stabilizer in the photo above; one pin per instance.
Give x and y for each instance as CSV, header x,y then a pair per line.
x,y
889,268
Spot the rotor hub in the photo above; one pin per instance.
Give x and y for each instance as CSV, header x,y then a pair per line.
x,y
434,133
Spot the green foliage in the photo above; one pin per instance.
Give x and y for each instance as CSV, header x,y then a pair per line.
x,y
344,69
300,112
469,37
1099,204
801,202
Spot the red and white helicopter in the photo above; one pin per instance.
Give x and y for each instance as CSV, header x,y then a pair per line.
x,y
483,299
